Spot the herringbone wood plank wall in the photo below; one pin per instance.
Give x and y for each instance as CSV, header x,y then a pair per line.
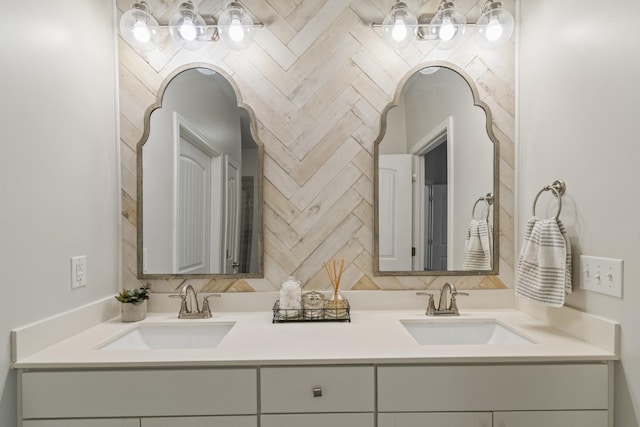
x,y
317,78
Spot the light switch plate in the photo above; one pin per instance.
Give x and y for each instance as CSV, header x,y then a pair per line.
x,y
602,275
78,271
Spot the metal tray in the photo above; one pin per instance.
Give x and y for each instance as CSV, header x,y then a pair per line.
x,y
325,314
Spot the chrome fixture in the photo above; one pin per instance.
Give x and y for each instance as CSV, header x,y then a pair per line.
x,y
187,27
235,26
495,25
558,189
447,26
443,309
139,28
400,26
189,307
488,201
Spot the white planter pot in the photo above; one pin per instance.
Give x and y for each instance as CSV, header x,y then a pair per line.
x,y
133,312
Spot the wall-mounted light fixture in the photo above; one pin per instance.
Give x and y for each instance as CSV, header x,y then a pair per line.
x,y
139,28
400,26
495,25
448,25
187,27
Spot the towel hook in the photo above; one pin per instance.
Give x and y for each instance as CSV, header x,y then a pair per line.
x,y
558,188
488,199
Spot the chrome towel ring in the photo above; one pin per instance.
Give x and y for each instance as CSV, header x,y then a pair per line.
x,y
488,199
558,188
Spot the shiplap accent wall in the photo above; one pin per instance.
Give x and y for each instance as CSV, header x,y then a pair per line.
x,y
317,78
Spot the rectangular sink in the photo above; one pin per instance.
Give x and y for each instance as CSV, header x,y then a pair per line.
x,y
174,336
480,332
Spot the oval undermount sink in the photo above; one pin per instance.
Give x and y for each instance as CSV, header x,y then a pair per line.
x,y
481,332
166,337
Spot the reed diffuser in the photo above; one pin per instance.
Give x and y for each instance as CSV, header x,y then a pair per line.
x,y
336,307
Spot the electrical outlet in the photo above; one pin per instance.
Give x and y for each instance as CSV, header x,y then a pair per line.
x,y
602,275
78,271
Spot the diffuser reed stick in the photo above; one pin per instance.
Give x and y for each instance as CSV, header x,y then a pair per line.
x,y
336,307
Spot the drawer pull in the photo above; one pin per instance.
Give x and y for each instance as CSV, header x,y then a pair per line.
x,y
317,392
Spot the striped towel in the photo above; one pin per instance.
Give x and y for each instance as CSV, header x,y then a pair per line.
x,y
477,246
544,264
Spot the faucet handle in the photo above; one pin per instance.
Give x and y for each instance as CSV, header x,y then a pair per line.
x,y
453,306
206,309
183,304
431,305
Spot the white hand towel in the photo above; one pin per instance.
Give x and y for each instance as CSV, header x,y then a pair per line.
x,y
477,246
544,264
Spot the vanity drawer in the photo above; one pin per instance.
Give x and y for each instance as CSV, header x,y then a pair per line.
x,y
137,393
342,389
493,387
318,420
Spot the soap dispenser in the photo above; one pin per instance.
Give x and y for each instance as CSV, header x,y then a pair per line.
x,y
290,298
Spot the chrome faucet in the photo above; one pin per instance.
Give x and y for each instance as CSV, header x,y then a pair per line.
x,y
189,307
443,309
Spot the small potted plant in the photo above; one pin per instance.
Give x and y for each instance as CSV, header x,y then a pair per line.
x,y
134,303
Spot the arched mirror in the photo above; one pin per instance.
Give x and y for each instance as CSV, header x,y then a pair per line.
x,y
199,182
436,175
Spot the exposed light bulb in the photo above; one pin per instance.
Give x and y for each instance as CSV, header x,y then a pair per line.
x,y
399,32
448,25
494,30
139,28
188,30
235,26
141,32
495,25
447,30
235,30
400,26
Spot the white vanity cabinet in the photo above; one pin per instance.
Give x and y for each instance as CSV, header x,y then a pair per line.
x,y
358,395
524,395
445,419
221,421
314,396
236,421
551,419
113,394
127,422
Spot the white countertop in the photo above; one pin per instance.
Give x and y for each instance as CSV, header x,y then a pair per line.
x,y
373,336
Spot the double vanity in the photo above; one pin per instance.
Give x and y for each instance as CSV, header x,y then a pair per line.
x,y
385,368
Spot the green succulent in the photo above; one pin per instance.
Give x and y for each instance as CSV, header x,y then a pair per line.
x,y
134,296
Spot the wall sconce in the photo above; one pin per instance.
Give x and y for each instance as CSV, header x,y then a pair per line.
x,y
139,28
188,28
400,27
495,25
448,25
